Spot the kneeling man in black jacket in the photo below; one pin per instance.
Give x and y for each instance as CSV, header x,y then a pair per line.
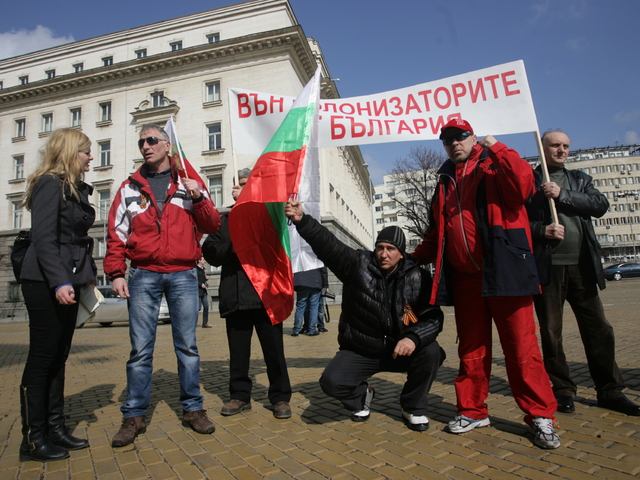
x,y
386,323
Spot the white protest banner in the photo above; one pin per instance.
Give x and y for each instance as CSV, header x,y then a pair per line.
x,y
495,100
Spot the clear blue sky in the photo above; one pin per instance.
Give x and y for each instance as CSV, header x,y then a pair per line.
x,y
582,56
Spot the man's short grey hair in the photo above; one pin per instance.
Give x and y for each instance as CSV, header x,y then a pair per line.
x,y
244,173
151,126
552,130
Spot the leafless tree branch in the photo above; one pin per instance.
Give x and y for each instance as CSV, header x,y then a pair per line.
x,y
415,179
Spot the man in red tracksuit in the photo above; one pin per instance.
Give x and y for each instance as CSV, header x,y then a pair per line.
x,y
479,237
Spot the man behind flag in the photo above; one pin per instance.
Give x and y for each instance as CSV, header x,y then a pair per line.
x,y
243,311
155,222
257,224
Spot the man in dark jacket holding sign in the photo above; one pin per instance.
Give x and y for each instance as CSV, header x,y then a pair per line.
x,y
568,257
386,323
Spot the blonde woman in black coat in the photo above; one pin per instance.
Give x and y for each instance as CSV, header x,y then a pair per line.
x,y
57,265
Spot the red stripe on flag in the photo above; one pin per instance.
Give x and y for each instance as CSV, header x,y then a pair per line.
x,y
274,177
263,258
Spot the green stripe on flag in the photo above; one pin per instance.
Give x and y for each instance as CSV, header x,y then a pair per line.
x,y
276,212
288,138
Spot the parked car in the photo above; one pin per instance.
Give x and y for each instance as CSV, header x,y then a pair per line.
x,y
114,309
622,270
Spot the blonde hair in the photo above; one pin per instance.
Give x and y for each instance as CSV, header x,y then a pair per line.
x,y
60,159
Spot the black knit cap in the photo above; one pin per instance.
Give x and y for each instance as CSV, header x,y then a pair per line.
x,y
394,236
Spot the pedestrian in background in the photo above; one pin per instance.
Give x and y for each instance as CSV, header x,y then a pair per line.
x,y
202,292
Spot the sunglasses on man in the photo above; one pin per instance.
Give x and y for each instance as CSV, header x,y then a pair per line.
x,y
150,141
455,138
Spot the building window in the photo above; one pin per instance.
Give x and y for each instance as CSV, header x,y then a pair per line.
x,y
141,53
47,122
378,196
107,61
17,214
102,247
24,80
157,99
18,167
105,112
215,189
105,154
78,67
214,134
378,209
175,46
13,293
1,85
50,74
76,117
104,203
21,128
213,92
380,220
213,38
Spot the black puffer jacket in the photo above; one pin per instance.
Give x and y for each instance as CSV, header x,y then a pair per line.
x,y
582,200
236,291
372,305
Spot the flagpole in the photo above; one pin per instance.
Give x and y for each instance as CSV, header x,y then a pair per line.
x,y
178,146
234,158
545,175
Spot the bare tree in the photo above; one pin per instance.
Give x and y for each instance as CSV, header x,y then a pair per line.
x,y
415,179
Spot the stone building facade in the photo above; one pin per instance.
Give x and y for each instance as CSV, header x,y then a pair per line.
x,y
109,86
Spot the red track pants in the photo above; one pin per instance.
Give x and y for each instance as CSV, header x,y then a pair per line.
x,y
513,316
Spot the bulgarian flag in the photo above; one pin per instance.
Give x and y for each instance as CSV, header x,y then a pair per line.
x,y
185,170
288,168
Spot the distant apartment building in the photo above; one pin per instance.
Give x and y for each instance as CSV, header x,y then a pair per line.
x,y
109,86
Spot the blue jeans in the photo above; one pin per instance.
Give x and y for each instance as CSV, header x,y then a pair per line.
x,y
181,291
312,297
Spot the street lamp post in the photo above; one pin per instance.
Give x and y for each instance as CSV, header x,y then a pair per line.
x,y
371,204
103,216
630,209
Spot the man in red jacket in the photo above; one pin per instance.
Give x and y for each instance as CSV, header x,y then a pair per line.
x,y
479,237
156,221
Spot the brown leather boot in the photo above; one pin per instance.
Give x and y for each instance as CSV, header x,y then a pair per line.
x,y
129,430
282,410
198,421
235,406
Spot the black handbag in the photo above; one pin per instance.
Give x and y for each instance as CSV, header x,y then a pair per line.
x,y
18,252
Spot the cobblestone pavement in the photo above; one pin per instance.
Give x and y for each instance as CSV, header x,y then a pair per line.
x,y
319,441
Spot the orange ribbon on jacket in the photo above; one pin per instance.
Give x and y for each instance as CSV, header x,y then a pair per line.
x,y
408,316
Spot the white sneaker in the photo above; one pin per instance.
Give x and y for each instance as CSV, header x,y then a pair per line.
x,y
363,415
418,423
544,435
462,424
